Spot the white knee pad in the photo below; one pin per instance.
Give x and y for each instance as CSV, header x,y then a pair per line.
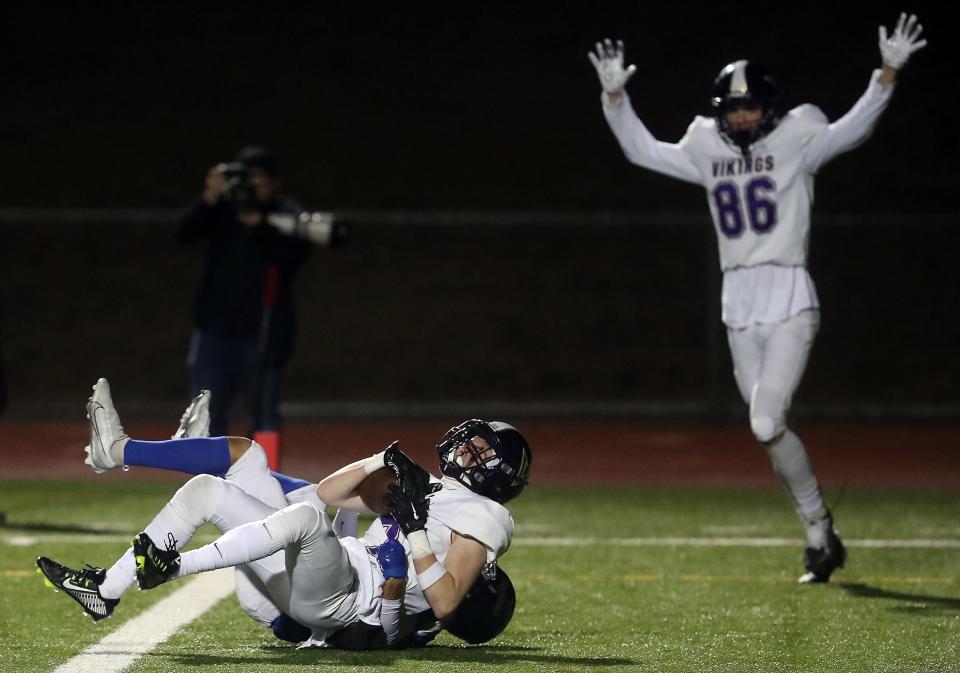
x,y
766,413
197,500
294,522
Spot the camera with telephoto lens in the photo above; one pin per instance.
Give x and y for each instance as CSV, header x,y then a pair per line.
x,y
238,190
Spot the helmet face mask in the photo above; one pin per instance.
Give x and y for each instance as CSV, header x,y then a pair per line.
x,y
497,466
743,85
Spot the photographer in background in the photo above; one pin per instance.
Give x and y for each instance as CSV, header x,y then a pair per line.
x,y
244,317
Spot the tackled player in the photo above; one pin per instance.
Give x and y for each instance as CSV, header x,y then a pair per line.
x,y
336,590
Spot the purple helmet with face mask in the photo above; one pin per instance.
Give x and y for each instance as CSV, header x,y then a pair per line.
x,y
499,472
745,84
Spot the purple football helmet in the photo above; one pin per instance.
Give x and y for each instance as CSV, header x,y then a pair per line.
x,y
499,472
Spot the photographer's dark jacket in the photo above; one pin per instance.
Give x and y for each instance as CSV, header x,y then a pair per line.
x,y
231,297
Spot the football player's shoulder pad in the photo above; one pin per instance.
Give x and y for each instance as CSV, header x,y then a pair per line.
x,y
808,116
468,514
701,124
701,132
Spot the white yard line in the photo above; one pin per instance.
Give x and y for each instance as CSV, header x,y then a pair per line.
x,y
141,634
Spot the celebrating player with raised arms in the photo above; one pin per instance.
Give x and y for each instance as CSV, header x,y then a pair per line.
x,y
757,163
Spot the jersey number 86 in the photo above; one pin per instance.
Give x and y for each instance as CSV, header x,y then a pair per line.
x,y
761,211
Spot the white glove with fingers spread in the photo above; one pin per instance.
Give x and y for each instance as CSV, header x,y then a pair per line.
x,y
608,60
896,49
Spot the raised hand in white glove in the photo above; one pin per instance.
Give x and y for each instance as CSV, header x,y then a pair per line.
x,y
896,49
608,60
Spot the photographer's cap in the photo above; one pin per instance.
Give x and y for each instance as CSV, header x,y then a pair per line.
x,y
258,158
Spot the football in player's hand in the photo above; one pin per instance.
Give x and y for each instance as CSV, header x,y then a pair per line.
x,y
373,490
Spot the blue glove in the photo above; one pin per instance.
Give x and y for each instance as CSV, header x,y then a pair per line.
x,y
393,560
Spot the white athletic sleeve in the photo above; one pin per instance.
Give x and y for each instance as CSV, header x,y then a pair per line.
x,y
852,129
390,610
641,148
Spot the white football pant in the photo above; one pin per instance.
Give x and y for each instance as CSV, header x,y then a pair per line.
x,y
768,363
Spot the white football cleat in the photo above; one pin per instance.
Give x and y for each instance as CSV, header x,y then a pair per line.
x,y
105,428
195,421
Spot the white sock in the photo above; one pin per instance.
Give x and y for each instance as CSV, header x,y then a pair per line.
x,y
116,450
173,527
791,463
816,530
120,576
169,527
249,542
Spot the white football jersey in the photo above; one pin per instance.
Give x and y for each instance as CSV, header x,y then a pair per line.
x,y
457,509
369,587
760,206
453,509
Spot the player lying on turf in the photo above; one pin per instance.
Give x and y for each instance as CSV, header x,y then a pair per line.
x,y
483,614
757,163
331,583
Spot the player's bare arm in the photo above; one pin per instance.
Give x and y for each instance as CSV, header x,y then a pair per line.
x,y
896,49
462,563
360,485
340,488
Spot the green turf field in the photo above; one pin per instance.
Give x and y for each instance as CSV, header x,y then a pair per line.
x,y
608,579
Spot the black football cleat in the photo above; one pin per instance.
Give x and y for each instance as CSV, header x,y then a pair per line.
x,y
154,565
820,563
83,586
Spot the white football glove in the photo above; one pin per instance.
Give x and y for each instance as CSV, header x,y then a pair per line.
x,y
608,60
895,50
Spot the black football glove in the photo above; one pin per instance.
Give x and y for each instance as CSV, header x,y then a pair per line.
x,y
412,479
410,512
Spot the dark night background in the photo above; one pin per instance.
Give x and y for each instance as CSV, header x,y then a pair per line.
x,y
375,108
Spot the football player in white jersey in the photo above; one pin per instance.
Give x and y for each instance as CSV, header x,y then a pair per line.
x,y
326,584
757,163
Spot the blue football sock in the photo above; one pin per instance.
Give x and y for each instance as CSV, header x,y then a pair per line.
x,y
289,483
193,455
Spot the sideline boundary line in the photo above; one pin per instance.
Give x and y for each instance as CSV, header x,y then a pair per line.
x,y
119,649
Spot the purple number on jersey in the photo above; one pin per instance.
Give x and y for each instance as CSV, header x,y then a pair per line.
x,y
729,215
761,211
